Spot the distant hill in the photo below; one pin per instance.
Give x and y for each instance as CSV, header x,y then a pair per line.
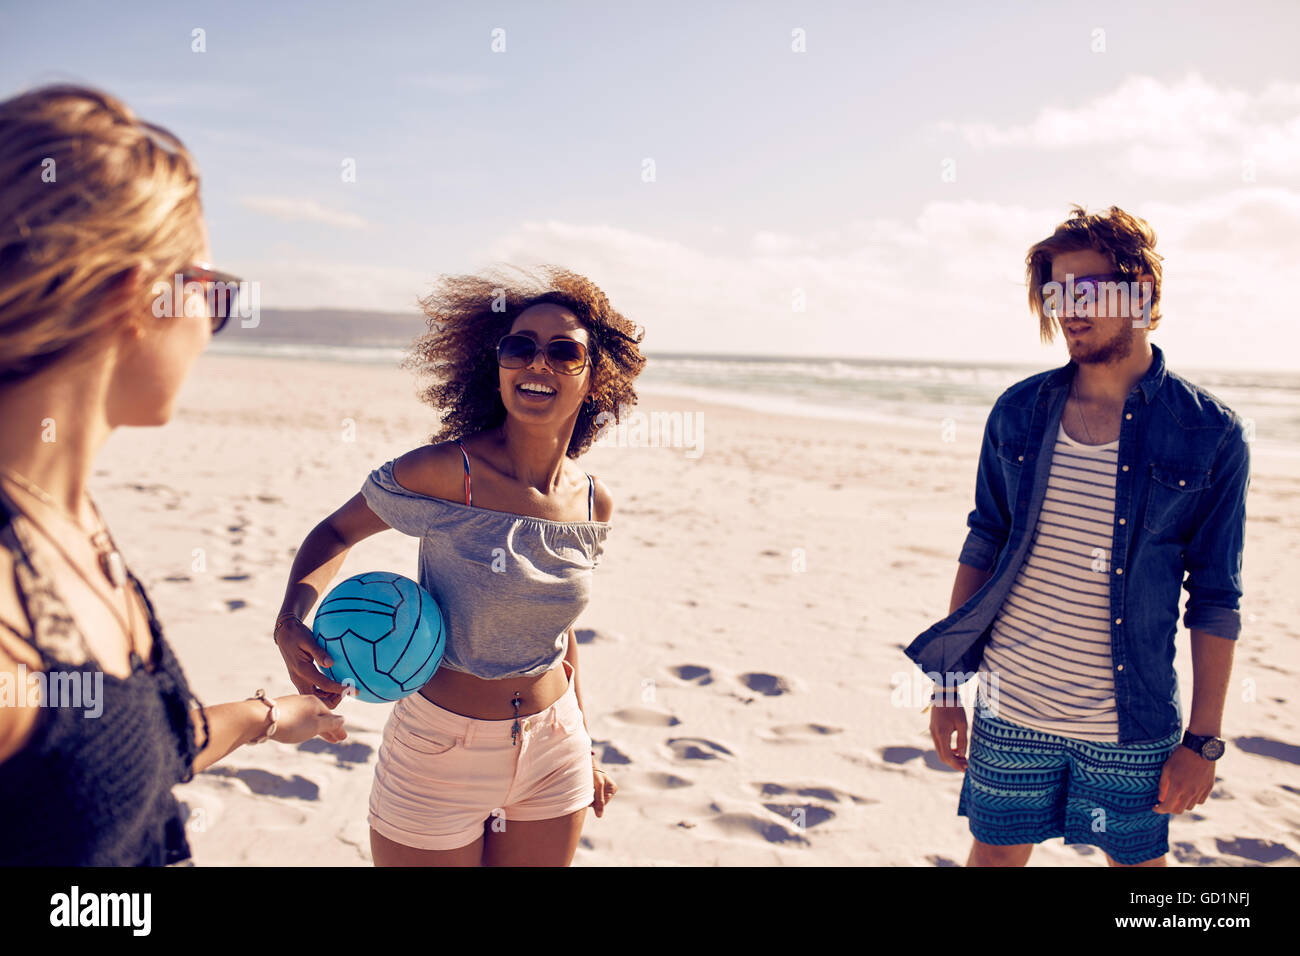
x,y
329,327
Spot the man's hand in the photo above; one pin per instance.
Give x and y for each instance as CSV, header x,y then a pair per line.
x,y
944,722
1185,782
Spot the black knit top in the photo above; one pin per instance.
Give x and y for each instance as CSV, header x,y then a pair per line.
x,y
95,790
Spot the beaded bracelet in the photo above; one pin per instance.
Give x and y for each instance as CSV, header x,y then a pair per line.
x,y
274,715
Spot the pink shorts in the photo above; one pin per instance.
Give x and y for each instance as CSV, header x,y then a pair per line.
x,y
441,776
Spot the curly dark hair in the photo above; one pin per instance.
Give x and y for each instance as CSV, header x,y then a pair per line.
x,y
469,314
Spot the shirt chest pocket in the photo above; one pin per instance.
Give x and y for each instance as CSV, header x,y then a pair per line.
x,y
1172,494
1011,459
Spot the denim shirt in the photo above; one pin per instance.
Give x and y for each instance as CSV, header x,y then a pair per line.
x,y
1180,509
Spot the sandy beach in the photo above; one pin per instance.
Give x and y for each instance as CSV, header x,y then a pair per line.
x,y
741,661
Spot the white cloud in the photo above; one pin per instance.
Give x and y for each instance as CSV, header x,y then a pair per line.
x,y
302,210
948,282
1191,130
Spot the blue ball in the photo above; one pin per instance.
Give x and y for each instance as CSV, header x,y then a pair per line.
x,y
384,633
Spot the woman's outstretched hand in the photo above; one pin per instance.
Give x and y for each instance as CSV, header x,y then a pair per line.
x,y
301,655
304,716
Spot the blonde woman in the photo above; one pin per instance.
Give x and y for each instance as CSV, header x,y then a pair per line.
x,y
95,207
491,762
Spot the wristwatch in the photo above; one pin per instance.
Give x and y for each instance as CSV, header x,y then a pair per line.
x,y
1211,748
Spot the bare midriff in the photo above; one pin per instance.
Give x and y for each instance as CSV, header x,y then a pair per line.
x,y
482,699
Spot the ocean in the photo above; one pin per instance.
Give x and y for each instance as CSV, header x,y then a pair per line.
x,y
908,391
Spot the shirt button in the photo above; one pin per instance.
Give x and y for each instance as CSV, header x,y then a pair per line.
x,y
1122,520
1181,482
1021,458
1119,570
1120,668
1128,416
1119,620
1124,468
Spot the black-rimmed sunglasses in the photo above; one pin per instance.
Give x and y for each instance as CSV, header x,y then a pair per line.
x,y
565,356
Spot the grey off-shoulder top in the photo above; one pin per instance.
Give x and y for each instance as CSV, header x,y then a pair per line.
x,y
509,585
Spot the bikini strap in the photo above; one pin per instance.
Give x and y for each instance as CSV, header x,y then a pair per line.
x,y
469,500
591,496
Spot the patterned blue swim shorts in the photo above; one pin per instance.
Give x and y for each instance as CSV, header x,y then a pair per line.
x,y
1026,786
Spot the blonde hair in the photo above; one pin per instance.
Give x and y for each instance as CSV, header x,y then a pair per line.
x,y
1130,243
87,191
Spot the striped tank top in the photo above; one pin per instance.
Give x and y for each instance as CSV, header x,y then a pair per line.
x,y
1048,663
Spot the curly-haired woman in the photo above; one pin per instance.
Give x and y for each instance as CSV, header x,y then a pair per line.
x,y
96,206
490,763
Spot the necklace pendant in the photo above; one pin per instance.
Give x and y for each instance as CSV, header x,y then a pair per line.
x,y
114,568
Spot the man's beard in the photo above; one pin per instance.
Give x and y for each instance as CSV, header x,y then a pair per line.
x,y
1113,350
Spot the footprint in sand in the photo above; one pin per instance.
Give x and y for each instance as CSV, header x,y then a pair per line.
x,y
692,673
904,754
829,794
587,635
175,578
235,605
769,685
235,577
749,825
798,733
644,717
941,861
667,781
1261,851
609,753
1187,853
810,814
697,748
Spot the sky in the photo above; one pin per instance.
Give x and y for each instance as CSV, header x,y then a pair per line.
x,y
829,179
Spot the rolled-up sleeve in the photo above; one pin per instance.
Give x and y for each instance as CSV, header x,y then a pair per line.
x,y
1213,555
990,521
400,508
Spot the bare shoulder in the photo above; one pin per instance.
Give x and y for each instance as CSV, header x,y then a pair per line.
x,y
435,471
604,500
